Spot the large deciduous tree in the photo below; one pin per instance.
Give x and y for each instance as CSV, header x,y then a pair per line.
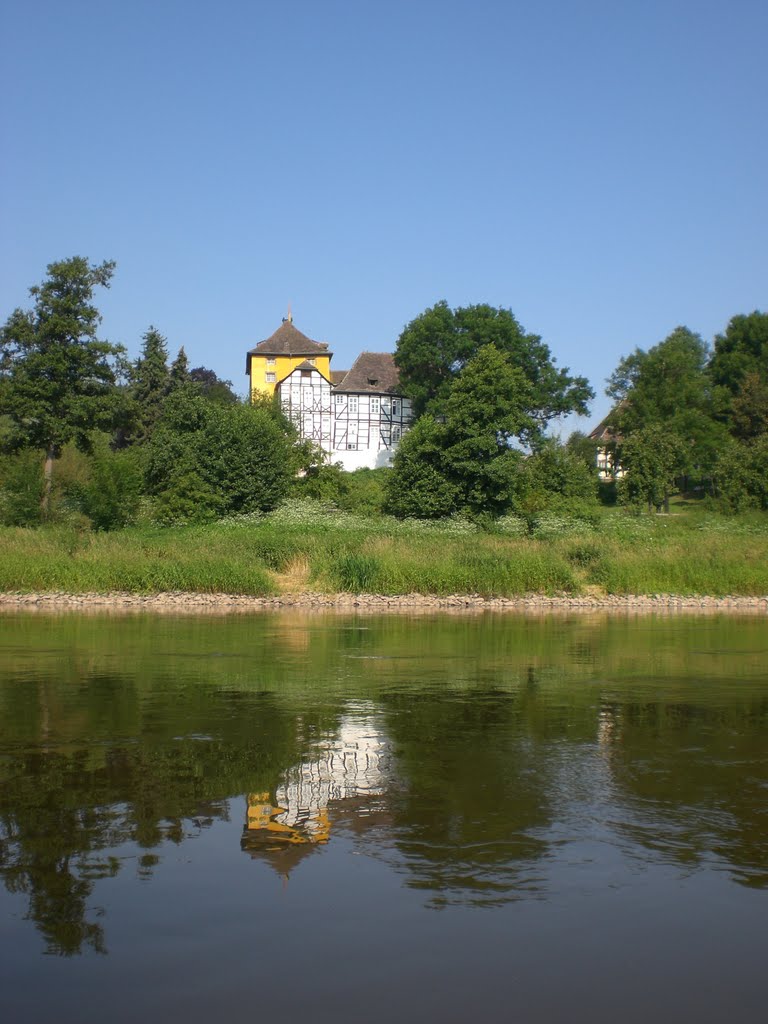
x,y
669,387
435,347
739,367
465,461
59,378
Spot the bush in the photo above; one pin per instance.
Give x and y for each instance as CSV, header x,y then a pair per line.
x,y
21,488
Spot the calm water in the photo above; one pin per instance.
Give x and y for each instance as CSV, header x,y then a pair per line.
x,y
383,819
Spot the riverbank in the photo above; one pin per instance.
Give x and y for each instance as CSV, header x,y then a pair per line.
x,y
180,603
302,554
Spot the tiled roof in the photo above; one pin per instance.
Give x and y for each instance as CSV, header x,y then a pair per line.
x,y
605,431
374,372
337,376
287,341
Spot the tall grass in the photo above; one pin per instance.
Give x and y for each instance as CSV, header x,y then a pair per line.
x,y
620,554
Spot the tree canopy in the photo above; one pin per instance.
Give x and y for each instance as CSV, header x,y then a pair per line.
x,y
58,376
435,347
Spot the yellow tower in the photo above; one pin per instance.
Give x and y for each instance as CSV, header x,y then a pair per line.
x,y
273,359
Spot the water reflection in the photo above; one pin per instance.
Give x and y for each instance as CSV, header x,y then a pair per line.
x,y
483,762
351,767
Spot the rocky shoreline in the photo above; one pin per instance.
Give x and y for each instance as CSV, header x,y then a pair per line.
x,y
179,603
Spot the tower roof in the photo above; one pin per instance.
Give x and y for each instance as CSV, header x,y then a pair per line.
x,y
287,341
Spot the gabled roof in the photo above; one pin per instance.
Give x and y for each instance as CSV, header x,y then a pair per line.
x,y
605,431
374,372
287,341
306,365
337,376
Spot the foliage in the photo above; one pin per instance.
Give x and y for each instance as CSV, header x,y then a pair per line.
x,y
741,351
749,407
150,383
179,372
651,459
59,379
207,460
365,491
434,349
741,474
21,488
669,387
418,485
467,462
323,481
213,387
111,496
554,478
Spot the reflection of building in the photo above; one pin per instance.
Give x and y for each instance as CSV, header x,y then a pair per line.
x,y
358,416
290,822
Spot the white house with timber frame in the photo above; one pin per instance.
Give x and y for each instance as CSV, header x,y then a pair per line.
x,y
358,416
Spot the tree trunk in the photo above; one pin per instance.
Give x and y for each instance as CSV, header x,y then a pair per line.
x,y
45,501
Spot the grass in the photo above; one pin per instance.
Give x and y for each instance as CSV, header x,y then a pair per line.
x,y
306,546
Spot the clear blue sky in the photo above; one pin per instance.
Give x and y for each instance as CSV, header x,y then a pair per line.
x,y
601,168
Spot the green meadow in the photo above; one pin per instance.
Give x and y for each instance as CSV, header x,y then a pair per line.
x,y
306,546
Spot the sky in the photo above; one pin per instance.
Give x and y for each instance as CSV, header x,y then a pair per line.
x,y
599,168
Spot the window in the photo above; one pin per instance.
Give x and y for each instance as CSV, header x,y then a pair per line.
x,y
395,406
271,360
396,432
353,404
270,378
351,446
339,399
312,360
375,404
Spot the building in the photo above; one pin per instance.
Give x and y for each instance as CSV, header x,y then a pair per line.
x,y
357,416
607,438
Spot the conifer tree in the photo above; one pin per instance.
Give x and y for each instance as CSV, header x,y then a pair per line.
x,y
179,370
59,378
151,383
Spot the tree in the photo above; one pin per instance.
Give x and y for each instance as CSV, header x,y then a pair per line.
x,y
151,383
651,459
669,387
213,387
206,460
418,486
739,368
741,474
179,370
435,347
59,379
743,349
467,461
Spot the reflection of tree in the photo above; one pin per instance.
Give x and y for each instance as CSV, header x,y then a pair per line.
x,y
108,769
694,777
475,796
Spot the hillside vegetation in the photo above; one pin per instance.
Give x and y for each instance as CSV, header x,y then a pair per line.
x,y
307,546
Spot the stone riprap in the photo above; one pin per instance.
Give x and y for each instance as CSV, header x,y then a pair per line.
x,y
198,603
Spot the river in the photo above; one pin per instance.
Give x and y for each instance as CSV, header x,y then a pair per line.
x,y
379,818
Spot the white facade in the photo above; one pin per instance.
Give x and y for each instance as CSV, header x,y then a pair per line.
x,y
368,427
358,429
305,396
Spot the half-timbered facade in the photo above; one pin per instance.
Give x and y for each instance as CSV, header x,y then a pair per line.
x,y
357,416
607,439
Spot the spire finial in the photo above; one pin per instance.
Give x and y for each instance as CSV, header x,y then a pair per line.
x,y
289,318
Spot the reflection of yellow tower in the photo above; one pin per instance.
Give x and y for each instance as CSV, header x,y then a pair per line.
x,y
264,817
353,764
